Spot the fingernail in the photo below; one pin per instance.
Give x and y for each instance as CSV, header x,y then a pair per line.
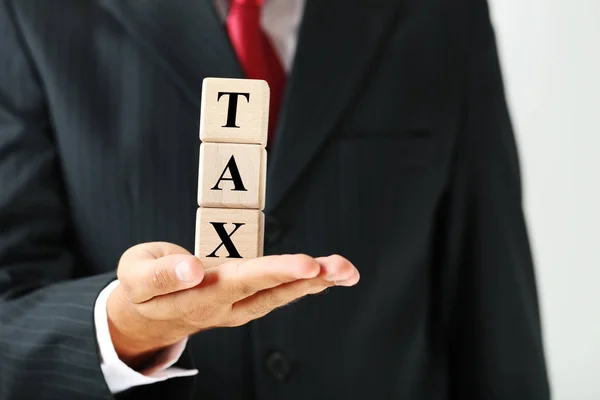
x,y
183,271
336,278
346,282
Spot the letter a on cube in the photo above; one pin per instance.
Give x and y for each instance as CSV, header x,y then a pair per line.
x,y
232,176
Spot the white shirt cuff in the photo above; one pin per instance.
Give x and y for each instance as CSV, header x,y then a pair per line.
x,y
118,375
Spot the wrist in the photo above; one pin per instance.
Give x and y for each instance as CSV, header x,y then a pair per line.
x,y
134,341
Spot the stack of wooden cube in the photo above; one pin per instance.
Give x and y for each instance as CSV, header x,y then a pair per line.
x,y
232,173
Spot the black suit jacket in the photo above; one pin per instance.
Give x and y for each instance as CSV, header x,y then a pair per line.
x,y
394,149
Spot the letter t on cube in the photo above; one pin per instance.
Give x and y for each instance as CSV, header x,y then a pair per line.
x,y
234,111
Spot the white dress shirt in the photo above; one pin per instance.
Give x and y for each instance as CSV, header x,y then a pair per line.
x,y
280,20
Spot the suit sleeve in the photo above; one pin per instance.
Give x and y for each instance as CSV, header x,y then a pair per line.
x,y
496,345
48,346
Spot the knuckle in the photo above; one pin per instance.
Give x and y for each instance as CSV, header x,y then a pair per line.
x,y
240,286
232,322
307,265
157,310
199,314
161,279
229,291
232,286
304,258
124,277
257,309
133,294
243,288
272,300
226,295
223,299
338,258
338,263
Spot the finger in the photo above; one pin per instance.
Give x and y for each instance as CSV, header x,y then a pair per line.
x,y
219,290
155,269
262,303
222,286
237,280
338,270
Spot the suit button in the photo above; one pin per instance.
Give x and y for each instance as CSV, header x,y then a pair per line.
x,y
273,230
278,365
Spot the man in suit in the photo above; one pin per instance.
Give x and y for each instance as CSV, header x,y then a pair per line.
x,y
392,147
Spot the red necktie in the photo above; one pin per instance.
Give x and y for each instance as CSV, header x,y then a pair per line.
x,y
256,53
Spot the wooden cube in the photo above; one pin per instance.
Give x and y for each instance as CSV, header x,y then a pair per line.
x,y
232,175
224,234
234,111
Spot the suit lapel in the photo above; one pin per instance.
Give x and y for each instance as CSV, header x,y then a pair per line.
x,y
186,37
338,42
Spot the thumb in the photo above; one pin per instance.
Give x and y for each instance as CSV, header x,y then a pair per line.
x,y
154,269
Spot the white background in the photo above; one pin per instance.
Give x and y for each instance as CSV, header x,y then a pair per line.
x,y
550,51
